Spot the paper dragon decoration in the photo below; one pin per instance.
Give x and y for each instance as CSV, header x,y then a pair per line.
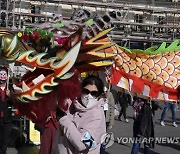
x,y
154,72
56,51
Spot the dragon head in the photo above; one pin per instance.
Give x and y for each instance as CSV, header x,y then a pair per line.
x,y
51,54
45,69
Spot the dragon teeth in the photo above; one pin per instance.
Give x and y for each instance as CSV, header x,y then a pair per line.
x,y
25,87
29,68
38,79
17,89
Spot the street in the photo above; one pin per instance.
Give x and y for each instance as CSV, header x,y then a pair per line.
x,y
122,131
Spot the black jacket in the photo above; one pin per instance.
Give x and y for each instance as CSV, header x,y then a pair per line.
x,y
115,95
143,125
6,107
124,99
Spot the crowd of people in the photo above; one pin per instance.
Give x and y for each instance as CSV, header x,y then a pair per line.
x,y
81,127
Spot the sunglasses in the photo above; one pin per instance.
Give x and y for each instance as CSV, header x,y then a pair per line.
x,y
93,93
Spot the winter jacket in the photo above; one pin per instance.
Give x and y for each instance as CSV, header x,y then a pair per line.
x,y
75,128
115,95
146,124
143,124
110,111
124,99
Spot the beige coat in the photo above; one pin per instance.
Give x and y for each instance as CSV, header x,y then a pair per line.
x,y
90,120
111,106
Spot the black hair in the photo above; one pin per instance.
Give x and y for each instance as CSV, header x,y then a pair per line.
x,y
94,80
2,67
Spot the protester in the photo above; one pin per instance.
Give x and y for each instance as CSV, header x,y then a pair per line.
x,y
83,129
143,126
5,110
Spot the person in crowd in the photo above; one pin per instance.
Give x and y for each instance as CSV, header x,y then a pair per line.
x,y
48,133
173,107
116,100
115,95
155,106
124,100
83,129
5,110
143,127
109,112
109,107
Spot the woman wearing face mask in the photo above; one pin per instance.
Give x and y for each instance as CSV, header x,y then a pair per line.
x,y
82,130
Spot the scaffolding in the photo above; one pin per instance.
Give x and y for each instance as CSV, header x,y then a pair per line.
x,y
143,21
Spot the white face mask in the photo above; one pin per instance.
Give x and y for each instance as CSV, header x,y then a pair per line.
x,y
88,100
